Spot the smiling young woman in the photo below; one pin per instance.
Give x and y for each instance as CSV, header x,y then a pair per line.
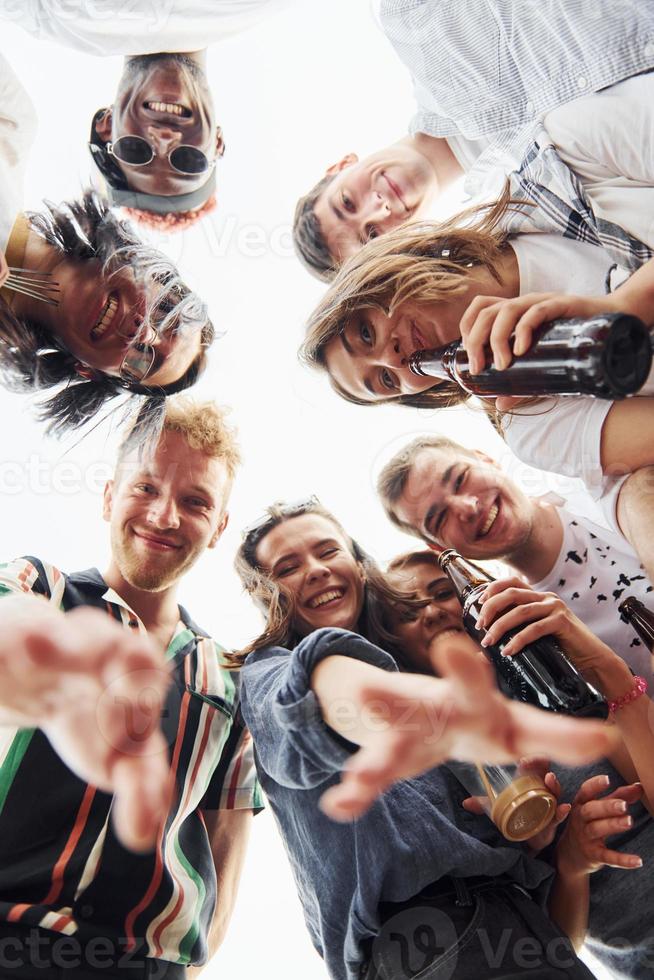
x,y
304,684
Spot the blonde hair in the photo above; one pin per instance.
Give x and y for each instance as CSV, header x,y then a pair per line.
x,y
204,425
422,262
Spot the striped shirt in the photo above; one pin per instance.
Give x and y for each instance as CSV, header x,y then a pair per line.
x,y
61,866
489,67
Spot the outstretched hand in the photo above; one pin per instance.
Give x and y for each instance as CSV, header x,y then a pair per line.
x,y
423,721
96,690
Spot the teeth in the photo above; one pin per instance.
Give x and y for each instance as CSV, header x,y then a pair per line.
x,y
490,520
324,597
106,317
171,107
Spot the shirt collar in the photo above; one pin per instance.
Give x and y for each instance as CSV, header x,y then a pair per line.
x,y
91,578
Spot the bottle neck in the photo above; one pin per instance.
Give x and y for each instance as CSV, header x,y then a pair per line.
x,y
464,575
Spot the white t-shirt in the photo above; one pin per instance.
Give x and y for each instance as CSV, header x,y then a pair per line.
x,y
593,573
17,131
608,140
128,27
562,435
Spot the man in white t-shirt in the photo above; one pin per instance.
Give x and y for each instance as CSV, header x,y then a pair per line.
x,y
484,72
453,497
157,144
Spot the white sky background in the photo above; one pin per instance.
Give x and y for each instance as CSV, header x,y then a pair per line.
x,y
293,95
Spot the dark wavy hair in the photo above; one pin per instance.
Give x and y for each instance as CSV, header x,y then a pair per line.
x,y
33,359
276,602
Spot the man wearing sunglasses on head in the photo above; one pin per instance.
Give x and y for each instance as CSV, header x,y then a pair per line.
x,y
157,144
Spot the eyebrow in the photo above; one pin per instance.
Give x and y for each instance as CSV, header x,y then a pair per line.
x,y
445,479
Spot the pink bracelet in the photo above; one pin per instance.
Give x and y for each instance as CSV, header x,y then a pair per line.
x,y
640,687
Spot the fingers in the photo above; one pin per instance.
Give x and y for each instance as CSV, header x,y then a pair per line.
x,y
474,804
616,859
512,594
142,789
471,682
571,741
492,321
368,774
591,788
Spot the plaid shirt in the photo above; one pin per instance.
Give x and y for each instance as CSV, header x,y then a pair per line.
x,y
560,206
61,866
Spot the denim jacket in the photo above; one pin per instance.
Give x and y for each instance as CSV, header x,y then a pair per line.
x,y
416,833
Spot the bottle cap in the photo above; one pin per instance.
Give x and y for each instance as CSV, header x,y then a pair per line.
x,y
524,808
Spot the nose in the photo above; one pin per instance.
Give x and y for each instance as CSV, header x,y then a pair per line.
x,y
466,506
392,354
162,512
316,570
162,138
432,613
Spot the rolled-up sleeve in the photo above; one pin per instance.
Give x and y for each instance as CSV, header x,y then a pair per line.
x,y
293,743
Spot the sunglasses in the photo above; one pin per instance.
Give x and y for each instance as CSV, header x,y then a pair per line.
x,y
138,360
137,152
253,532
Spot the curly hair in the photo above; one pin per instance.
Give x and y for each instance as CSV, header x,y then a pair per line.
x,y
173,221
276,602
33,359
422,262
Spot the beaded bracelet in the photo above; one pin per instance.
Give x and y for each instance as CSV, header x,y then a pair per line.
x,y
640,687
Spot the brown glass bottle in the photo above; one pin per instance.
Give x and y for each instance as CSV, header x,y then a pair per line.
x,y
636,613
607,356
540,674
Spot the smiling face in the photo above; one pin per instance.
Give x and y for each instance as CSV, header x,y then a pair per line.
x,y
309,556
164,513
368,197
370,358
165,100
465,502
416,628
98,320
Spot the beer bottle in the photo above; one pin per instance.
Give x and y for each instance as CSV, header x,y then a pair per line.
x,y
541,674
607,356
635,612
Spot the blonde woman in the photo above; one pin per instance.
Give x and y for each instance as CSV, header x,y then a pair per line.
x,y
469,279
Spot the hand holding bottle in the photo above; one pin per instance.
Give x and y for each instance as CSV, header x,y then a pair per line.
x,y
510,604
507,326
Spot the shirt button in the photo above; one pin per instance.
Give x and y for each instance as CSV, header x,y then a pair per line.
x,y
133,623
86,911
530,107
649,49
582,82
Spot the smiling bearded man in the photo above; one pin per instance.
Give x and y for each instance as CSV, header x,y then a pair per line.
x,y
69,886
